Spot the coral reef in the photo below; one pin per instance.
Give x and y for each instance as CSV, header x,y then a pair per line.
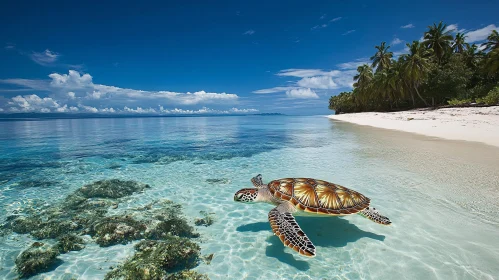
x,y
167,248
207,219
157,259
69,242
37,258
117,230
113,188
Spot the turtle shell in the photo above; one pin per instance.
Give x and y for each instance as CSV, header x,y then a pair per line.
x,y
317,196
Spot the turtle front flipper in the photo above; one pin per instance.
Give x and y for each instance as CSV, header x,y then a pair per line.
x,y
287,229
372,214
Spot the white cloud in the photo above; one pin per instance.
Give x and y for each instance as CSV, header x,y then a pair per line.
x,y
319,82
451,27
82,89
44,58
353,64
480,34
89,109
249,32
301,93
302,73
335,19
10,46
32,103
348,32
272,90
319,26
410,25
396,41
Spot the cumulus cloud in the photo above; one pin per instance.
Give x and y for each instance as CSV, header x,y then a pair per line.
x,y
44,58
353,64
79,91
302,73
301,93
320,82
480,34
396,41
272,90
32,103
410,25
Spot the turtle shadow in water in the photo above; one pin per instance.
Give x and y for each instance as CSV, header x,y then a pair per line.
x,y
322,231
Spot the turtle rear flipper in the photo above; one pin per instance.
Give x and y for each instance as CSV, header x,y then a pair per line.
x,y
287,229
372,214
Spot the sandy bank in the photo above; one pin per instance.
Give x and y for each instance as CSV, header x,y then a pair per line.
x,y
469,124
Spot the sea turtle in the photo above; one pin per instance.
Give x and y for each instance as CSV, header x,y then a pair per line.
x,y
305,196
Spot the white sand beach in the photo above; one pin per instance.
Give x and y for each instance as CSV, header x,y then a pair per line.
x,y
479,124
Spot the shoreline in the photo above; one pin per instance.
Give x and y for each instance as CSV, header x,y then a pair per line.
x,y
476,124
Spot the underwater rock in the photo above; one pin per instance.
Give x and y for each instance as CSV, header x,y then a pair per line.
x,y
113,188
155,259
36,259
54,229
117,230
187,275
69,242
218,181
208,258
36,184
207,219
23,225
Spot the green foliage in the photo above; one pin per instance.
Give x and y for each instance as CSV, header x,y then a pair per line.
x,y
492,98
449,80
459,102
343,103
440,70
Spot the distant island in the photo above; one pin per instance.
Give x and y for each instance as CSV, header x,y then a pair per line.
x,y
440,69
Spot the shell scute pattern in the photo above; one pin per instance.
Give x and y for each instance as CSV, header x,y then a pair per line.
x,y
318,196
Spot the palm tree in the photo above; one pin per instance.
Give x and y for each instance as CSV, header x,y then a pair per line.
x,y
382,58
459,43
364,77
363,82
472,55
416,66
438,39
492,63
492,41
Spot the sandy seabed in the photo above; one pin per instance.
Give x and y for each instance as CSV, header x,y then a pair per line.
x,y
479,124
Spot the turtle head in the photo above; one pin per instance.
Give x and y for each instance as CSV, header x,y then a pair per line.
x,y
246,195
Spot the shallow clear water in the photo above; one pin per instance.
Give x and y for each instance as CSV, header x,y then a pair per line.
x,y
442,196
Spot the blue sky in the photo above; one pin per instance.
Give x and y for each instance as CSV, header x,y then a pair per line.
x,y
177,57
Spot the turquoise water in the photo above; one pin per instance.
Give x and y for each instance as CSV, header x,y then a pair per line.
x,y
442,196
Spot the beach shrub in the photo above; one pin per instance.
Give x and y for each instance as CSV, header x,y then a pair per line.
x,y
492,97
343,103
459,102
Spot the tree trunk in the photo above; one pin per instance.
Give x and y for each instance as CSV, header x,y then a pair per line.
x,y
420,96
413,101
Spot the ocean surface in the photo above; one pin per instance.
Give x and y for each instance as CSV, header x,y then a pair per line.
x,y
442,196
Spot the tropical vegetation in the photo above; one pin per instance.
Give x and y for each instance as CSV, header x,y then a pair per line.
x,y
440,69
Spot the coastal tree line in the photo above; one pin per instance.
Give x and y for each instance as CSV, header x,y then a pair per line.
x,y
442,69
